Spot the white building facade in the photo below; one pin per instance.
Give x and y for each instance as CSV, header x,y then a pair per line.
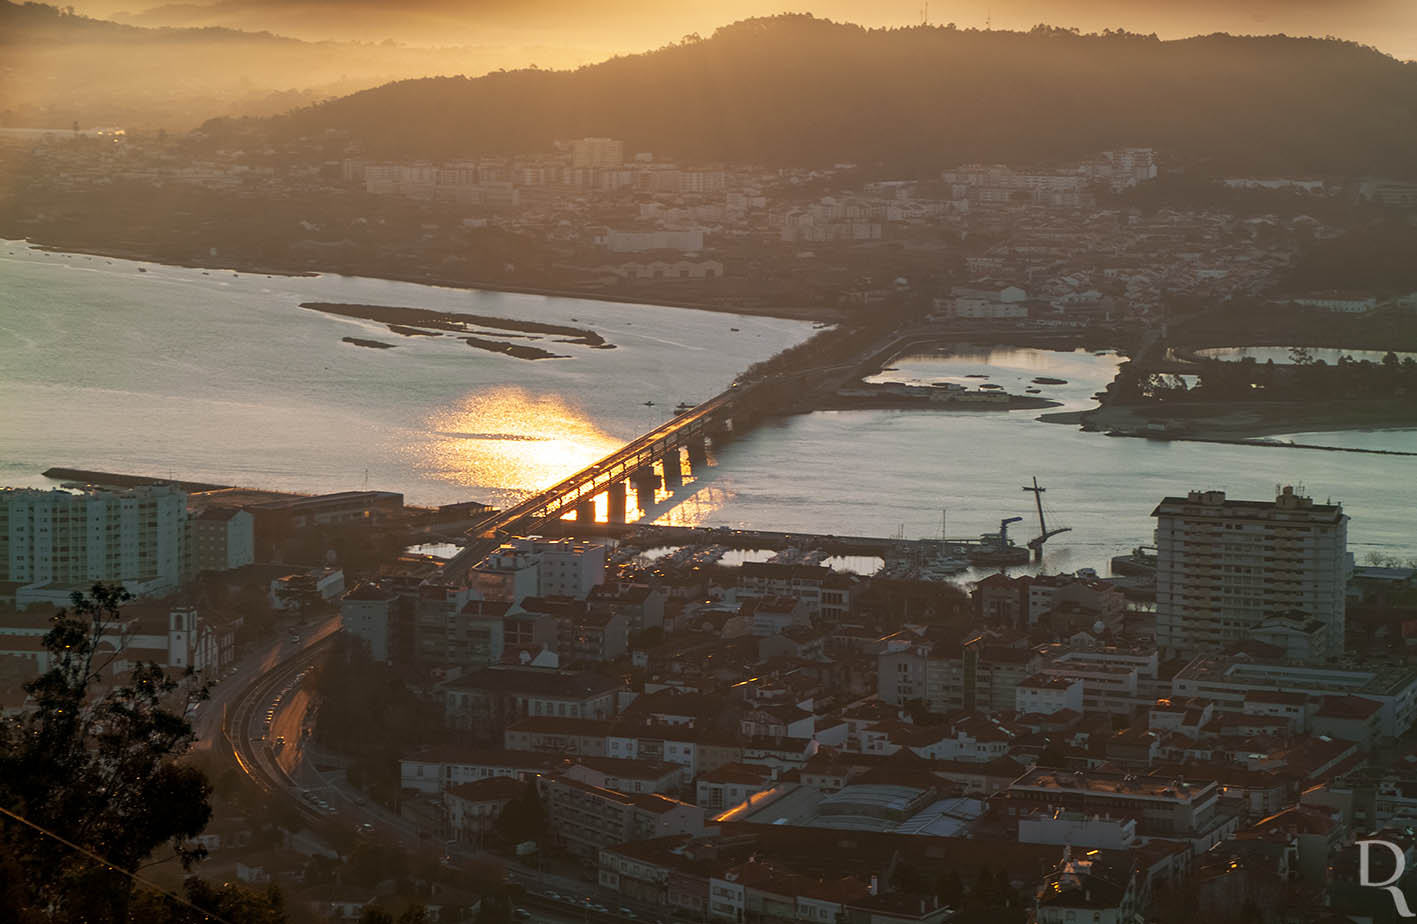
x,y
1224,565
70,539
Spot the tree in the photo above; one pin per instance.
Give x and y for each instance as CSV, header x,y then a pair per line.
x,y
949,888
495,908
375,915
414,914
524,818
230,902
100,772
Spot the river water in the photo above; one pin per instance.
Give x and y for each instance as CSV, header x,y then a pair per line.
x,y
218,376
215,376
912,473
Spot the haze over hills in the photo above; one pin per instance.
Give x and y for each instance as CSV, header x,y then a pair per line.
x,y
604,29
798,90
60,68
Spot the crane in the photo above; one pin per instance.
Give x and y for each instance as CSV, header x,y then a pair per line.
x,y
1044,533
1004,530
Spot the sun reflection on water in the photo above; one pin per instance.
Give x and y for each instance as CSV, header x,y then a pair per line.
x,y
511,440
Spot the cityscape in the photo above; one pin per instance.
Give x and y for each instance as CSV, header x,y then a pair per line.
x,y
750,481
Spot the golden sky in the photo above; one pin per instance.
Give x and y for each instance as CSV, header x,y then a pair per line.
x,y
597,29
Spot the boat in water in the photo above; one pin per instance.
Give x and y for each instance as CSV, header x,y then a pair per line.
x,y
1142,562
998,549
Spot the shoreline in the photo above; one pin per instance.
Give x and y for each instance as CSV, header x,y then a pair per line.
x,y
1242,424
888,403
786,313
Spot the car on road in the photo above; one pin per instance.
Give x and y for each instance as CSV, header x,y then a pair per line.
x,y
521,913
626,912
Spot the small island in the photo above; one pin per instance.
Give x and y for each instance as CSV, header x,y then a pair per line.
x,y
372,344
518,350
949,397
412,319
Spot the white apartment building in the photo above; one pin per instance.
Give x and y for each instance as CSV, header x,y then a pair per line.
x,y
366,613
566,567
1114,680
597,152
56,541
1244,686
1224,565
223,539
1041,695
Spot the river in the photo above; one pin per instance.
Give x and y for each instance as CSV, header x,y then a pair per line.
x,y
885,472
215,376
218,376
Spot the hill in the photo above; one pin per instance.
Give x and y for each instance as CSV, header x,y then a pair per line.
x,y
797,90
59,67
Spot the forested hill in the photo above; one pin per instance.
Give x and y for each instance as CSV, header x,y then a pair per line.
x,y
34,23
797,90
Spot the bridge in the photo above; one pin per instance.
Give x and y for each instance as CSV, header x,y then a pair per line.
x,y
632,466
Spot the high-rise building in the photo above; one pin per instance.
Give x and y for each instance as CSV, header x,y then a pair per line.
x,y
1224,566
597,152
66,540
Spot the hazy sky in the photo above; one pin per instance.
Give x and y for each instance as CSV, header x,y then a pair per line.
x,y
633,25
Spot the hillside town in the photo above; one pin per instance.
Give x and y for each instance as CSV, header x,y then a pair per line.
x,y
1073,245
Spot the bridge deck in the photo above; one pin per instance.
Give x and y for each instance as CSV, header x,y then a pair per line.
x,y
585,484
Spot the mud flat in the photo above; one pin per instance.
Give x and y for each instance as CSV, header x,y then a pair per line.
x,y
411,319
1240,421
371,344
520,351
905,403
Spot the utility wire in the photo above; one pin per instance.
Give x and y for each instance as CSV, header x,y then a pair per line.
x,y
133,876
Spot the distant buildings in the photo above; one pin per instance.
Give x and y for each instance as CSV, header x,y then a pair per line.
x,y
1223,566
643,241
597,152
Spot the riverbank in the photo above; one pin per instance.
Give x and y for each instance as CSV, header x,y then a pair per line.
x,y
1241,422
905,403
785,312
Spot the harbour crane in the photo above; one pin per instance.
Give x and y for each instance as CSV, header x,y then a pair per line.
x,y
1044,533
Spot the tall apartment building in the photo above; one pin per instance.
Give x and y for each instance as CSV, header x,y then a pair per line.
x,y
597,152
1223,566
57,541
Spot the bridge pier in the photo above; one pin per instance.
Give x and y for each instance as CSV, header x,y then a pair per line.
x,y
698,454
615,496
673,469
585,512
644,481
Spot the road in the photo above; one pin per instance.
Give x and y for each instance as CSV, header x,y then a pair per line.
x,y
301,772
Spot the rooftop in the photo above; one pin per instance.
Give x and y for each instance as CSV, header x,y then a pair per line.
x,y
1107,783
